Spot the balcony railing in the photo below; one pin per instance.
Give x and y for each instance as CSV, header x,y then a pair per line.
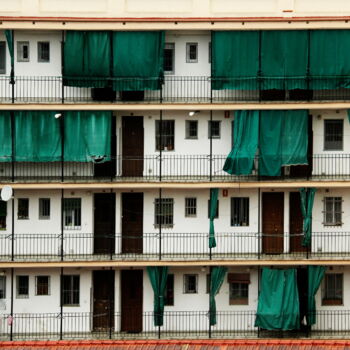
x,y
171,246
175,89
177,324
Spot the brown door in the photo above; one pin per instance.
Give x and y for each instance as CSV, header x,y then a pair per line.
x,y
132,164
131,300
104,223
295,223
272,210
103,307
132,223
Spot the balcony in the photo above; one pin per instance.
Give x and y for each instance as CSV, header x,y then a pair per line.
x,y
175,89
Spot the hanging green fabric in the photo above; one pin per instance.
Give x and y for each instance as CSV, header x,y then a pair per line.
x,y
87,136
283,140
284,59
278,303
235,60
240,160
315,277
38,137
87,58
158,277
349,115
216,279
307,196
329,59
138,60
10,44
214,193
5,137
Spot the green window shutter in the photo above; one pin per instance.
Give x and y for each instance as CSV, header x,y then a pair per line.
x,y
5,137
216,279
307,196
138,60
214,193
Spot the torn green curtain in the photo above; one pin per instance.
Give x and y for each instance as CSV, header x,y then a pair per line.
x,y
216,279
214,193
307,196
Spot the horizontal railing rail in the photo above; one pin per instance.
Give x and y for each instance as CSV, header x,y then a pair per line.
x,y
235,245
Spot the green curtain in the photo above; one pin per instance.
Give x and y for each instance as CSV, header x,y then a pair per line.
x,y
5,137
284,59
38,137
315,276
240,160
138,60
235,60
10,44
87,58
214,193
349,115
158,278
283,140
87,136
278,303
307,196
329,59
216,279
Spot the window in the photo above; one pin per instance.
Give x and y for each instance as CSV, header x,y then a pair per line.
x,y
164,212
23,209
190,284
3,214
191,52
333,289
71,290
2,57
42,285
44,208
169,58
72,213
333,135
22,51
2,287
43,51
22,286
166,143
332,211
191,129
190,207
238,288
217,209
214,129
239,211
209,52
169,290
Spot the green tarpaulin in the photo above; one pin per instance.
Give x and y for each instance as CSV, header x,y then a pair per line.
x,y
87,58
307,196
37,137
5,137
138,60
235,60
158,277
10,44
240,161
214,193
278,303
283,140
315,276
216,279
87,136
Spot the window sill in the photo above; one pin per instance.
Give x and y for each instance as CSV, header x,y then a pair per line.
x,y
239,301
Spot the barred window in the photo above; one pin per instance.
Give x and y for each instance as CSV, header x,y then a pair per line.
x,y
332,211
190,207
42,285
22,286
167,141
71,290
169,58
333,135
333,289
190,284
214,129
23,209
43,51
44,208
240,211
191,52
164,212
2,287
238,288
191,129
72,213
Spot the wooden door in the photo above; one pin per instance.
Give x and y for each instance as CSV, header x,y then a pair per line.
x,y
103,296
104,223
272,212
132,146
295,223
132,223
131,300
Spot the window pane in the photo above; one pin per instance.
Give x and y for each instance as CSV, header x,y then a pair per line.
x,y
43,51
72,213
167,129
240,211
22,286
169,54
2,287
42,285
44,208
23,208
333,134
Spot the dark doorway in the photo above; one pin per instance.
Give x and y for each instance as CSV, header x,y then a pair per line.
x,y
302,281
272,216
132,223
103,293
104,223
132,164
295,223
131,300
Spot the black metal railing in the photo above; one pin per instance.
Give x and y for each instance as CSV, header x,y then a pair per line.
x,y
173,89
171,246
177,324
168,167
